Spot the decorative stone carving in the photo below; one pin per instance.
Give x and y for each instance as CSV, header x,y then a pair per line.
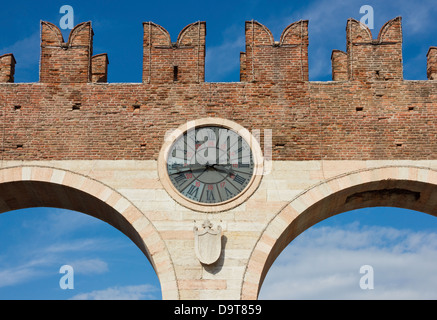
x,y
207,243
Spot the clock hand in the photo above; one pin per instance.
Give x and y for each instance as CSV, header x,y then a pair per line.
x,y
222,168
180,170
191,167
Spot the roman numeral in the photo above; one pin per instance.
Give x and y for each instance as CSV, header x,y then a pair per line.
x,y
210,195
192,191
239,179
229,194
180,178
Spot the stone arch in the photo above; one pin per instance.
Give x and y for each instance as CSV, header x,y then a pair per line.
x,y
406,187
38,186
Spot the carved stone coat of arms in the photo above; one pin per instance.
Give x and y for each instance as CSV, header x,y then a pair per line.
x,y
207,243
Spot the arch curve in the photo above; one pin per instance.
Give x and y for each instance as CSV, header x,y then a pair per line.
x,y
408,187
39,186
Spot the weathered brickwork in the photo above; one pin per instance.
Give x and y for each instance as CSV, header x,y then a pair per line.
x,y
66,62
7,67
269,61
72,140
432,63
168,62
369,113
347,120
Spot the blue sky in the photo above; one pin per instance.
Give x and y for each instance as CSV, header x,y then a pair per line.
x,y
118,31
35,243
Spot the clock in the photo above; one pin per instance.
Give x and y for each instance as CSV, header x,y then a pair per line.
x,y
210,164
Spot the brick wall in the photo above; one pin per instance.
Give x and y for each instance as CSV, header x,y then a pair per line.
x,y
66,62
7,68
431,69
167,62
368,112
374,60
269,61
339,65
99,68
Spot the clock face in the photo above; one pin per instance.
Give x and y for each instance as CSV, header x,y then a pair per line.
x,y
210,164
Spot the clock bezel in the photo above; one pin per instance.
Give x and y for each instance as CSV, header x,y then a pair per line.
x,y
242,196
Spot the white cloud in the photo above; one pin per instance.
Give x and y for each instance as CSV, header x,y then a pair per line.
x,y
223,60
14,276
79,245
23,272
416,19
137,292
89,266
43,249
324,263
26,51
43,265
58,223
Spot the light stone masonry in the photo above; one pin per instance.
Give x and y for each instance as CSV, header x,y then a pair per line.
x,y
253,233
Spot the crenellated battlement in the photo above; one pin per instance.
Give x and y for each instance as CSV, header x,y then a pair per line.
x,y
368,59
74,141
264,59
182,61
7,67
431,69
65,62
74,113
